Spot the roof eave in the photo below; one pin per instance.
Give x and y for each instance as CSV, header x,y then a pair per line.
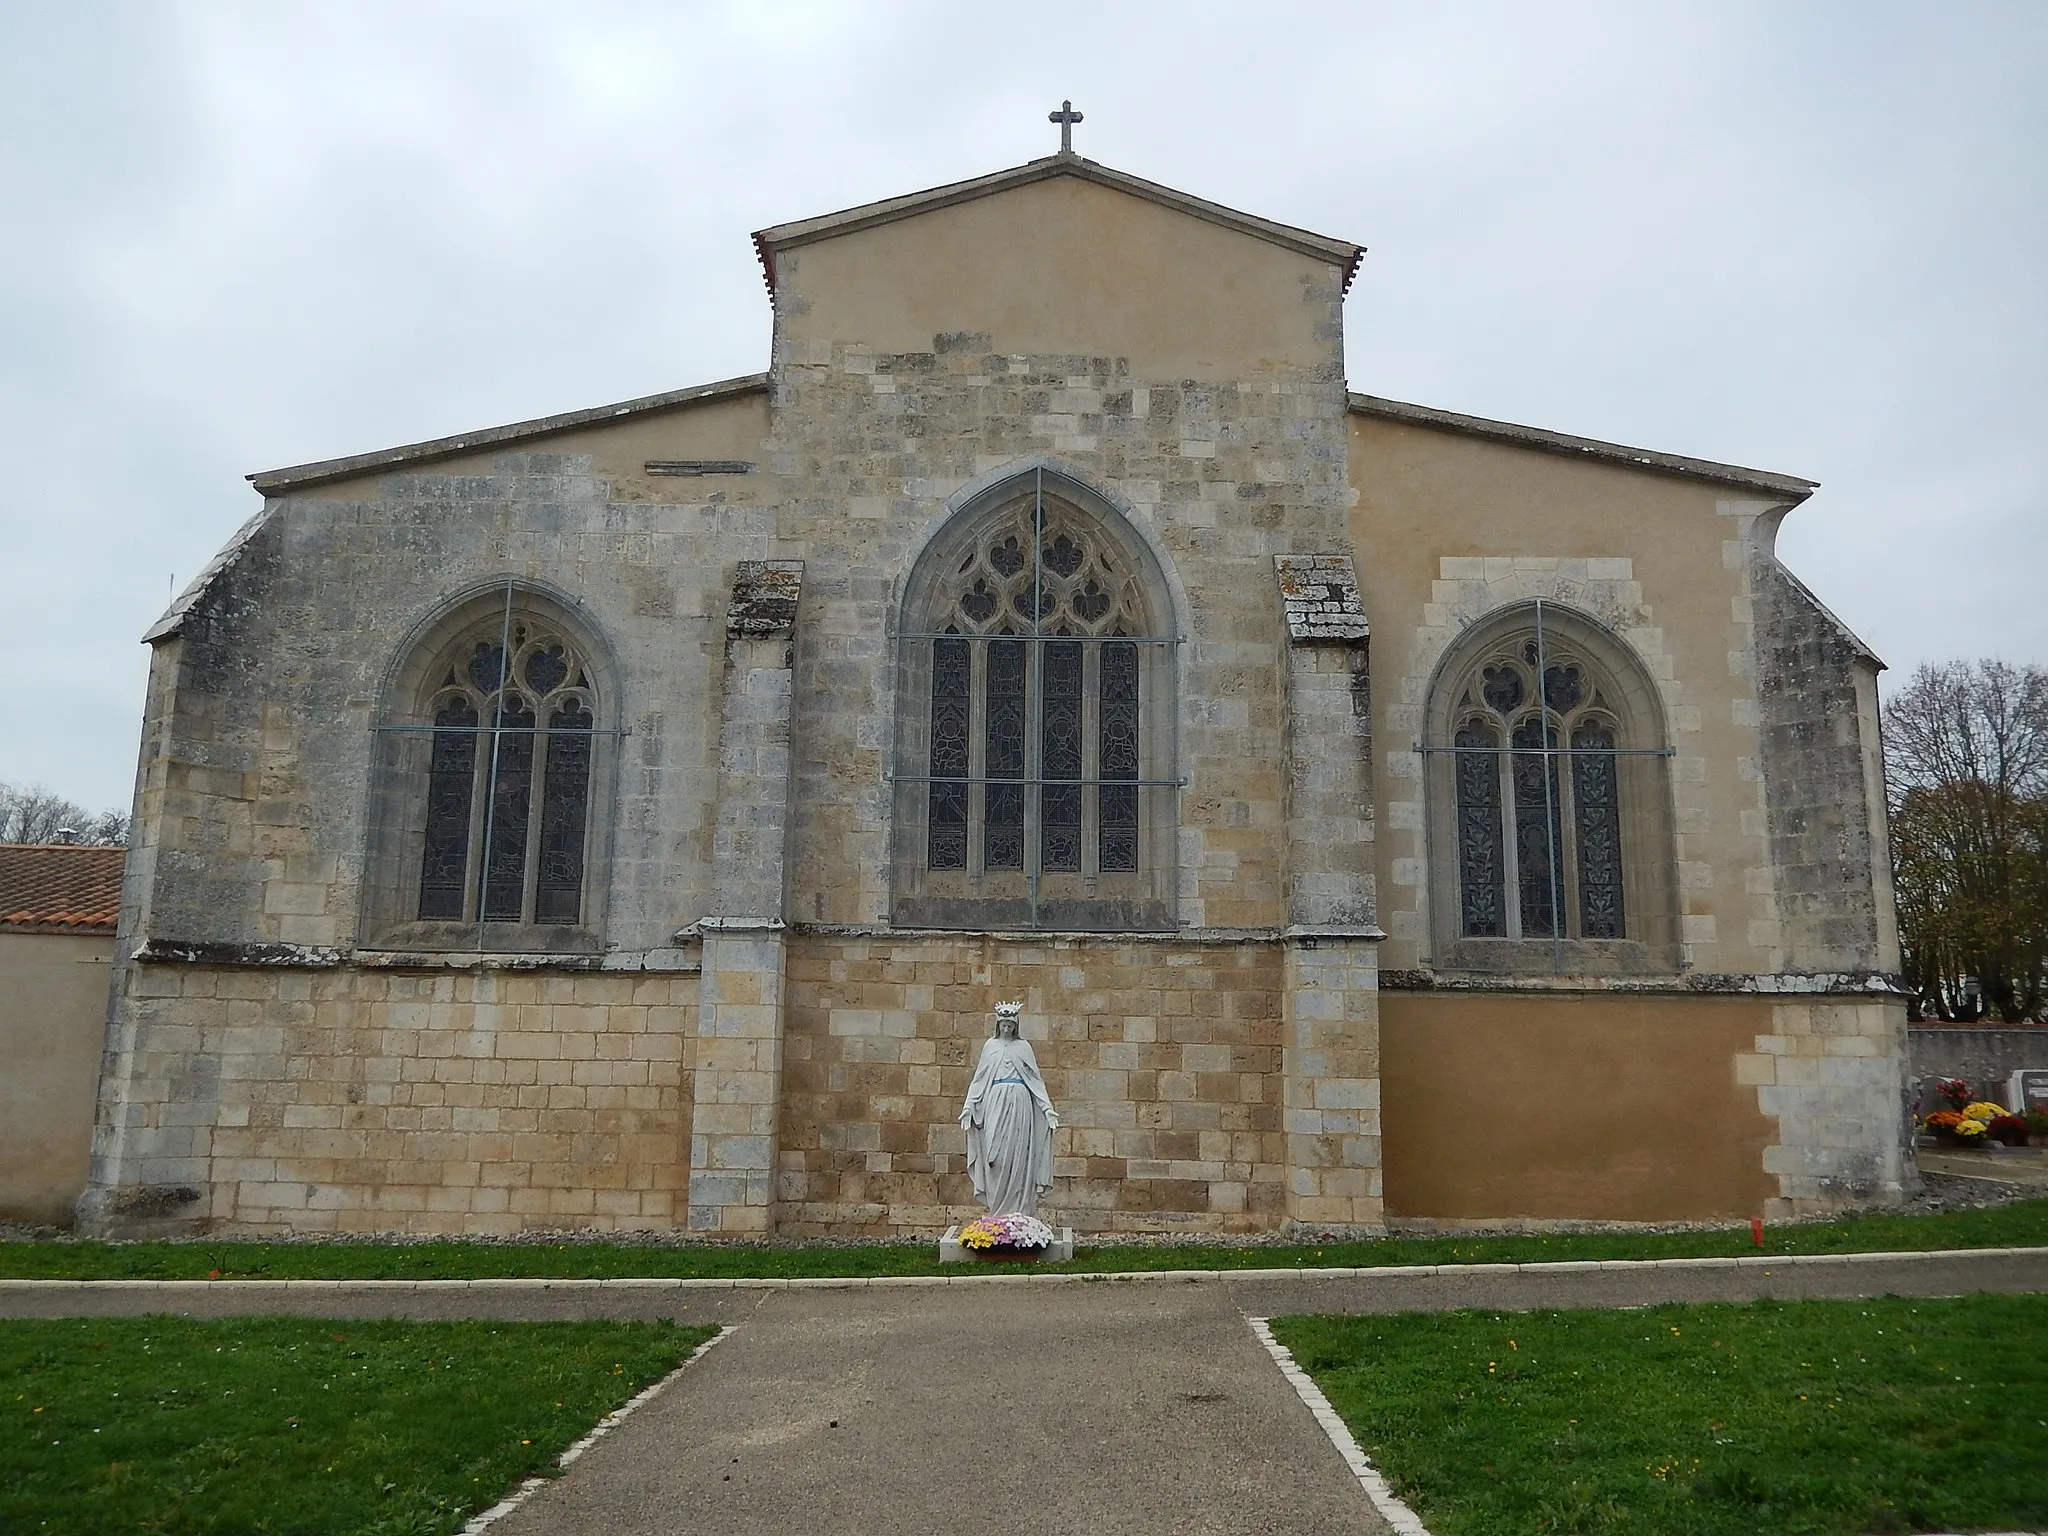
x,y
800,232
273,482
1789,490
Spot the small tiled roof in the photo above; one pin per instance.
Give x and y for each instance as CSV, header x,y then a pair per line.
x,y
59,888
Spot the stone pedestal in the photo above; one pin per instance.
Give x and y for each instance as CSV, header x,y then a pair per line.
x,y
953,1251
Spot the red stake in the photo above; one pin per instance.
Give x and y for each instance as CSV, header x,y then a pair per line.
x,y
1756,1230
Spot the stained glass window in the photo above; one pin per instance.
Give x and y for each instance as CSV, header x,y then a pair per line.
x,y
451,782
1480,860
952,675
1035,755
1118,838
1059,804
1598,823
1003,822
1538,797
1520,873
564,810
505,832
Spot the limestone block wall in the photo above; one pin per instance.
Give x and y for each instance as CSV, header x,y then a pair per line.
x,y
1331,1088
1833,1075
1220,476
1162,1057
258,748
350,1100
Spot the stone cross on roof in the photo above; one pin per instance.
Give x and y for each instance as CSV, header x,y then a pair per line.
x,y
1066,117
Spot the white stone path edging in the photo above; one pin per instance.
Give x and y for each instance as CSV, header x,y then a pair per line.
x,y
598,1431
1403,1519
1107,1277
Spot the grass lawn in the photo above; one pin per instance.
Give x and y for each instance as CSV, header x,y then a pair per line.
x,y
171,1425
1789,1418
2021,1224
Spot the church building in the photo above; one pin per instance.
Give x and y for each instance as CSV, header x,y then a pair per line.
x,y
1389,819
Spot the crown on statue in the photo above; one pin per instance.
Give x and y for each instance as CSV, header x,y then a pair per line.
x,y
1009,1010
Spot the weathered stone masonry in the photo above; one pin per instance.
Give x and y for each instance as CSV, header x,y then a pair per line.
x,y
743,1033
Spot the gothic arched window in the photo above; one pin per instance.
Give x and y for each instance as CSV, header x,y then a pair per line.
x,y
1034,766
1549,800
489,785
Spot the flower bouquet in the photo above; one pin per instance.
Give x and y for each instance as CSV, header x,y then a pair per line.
x,y
1944,1125
1006,1237
1953,1091
2010,1129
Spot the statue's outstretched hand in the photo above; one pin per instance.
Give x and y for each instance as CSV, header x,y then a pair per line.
x,y
1052,1119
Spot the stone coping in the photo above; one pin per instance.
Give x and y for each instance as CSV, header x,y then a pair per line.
x,y
1124,1277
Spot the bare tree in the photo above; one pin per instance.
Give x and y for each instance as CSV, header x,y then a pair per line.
x,y
38,815
1966,747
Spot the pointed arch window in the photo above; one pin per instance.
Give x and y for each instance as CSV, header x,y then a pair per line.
x,y
490,787
1549,800
508,788
1034,764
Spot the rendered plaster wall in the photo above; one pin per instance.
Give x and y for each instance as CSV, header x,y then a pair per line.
x,y
1162,1057
365,1101
1528,1108
1068,267
1451,527
53,1023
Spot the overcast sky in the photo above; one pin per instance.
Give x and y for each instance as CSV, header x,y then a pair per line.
x,y
1805,237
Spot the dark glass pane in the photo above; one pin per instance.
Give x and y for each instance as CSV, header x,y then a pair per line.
x,y
451,785
546,670
979,604
1003,816
1007,557
1059,805
487,666
946,823
1117,758
1564,686
1028,599
1501,687
1537,834
1596,807
1091,603
511,801
1063,556
1483,913
558,890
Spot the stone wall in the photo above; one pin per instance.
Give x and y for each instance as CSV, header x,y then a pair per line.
x,y
1983,1056
1832,1074
1817,739
1162,1057
365,1101
1218,477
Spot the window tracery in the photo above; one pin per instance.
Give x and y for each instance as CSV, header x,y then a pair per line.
x,y
1537,729
508,781
1036,658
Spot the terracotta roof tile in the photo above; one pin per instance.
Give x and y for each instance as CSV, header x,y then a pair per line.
x,y
53,888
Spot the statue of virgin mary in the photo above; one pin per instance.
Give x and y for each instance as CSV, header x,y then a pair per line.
x,y
1009,1120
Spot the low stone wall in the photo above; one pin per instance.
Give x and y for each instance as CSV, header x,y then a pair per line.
x,y
368,1101
1164,1059
1984,1057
